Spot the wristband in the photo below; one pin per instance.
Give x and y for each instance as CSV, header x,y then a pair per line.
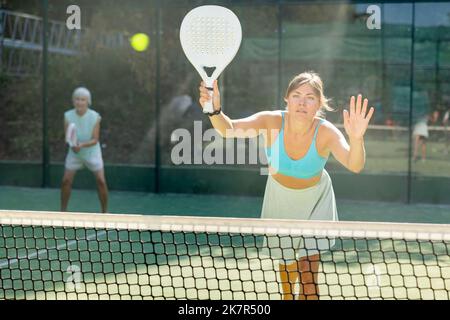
x,y
216,112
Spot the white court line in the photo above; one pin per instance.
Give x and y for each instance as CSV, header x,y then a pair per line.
x,y
6,262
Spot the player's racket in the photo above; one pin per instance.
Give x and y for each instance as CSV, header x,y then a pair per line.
x,y
71,135
210,37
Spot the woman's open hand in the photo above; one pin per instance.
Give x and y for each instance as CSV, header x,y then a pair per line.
x,y
355,120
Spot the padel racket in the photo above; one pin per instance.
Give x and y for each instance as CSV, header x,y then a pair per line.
x,y
71,135
210,37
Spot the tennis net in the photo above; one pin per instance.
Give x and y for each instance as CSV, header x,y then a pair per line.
x,y
51,255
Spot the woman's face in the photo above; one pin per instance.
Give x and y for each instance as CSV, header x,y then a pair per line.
x,y
80,103
303,102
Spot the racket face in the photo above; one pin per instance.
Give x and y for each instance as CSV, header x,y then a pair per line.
x,y
210,37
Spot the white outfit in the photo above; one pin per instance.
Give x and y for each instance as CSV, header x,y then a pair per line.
x,y
421,128
94,161
89,157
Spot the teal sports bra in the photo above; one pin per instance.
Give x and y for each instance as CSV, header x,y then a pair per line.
x,y
309,166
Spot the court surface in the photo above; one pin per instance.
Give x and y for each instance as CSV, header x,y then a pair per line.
x,y
116,264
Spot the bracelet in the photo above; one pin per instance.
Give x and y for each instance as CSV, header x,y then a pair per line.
x,y
216,112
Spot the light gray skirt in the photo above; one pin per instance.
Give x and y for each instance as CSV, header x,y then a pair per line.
x,y
314,203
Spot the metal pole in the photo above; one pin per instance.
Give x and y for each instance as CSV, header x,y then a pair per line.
x,y
157,96
45,145
2,24
437,72
279,74
411,96
384,100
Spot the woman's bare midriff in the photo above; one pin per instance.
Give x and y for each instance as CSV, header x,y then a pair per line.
x,y
294,183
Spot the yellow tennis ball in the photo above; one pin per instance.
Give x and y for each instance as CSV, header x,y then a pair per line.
x,y
140,41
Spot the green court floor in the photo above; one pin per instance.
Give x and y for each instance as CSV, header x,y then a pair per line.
x,y
16,198
36,262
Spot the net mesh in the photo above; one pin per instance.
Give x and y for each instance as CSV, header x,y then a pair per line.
x,y
49,255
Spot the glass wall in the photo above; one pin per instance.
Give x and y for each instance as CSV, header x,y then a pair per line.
x,y
21,82
431,84
248,85
395,54
121,80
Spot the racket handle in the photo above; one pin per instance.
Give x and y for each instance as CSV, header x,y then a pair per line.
x,y
208,107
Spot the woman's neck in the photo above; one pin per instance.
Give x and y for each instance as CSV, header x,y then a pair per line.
x,y
297,127
82,113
